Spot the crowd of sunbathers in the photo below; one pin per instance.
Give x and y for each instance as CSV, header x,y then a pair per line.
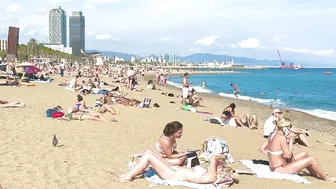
x,y
278,148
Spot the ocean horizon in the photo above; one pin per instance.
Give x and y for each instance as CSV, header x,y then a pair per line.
x,y
307,90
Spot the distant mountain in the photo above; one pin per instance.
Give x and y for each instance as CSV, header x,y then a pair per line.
x,y
111,54
200,57
207,57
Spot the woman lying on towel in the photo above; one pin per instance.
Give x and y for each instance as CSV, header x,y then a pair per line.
x,y
281,157
6,104
165,171
166,144
82,116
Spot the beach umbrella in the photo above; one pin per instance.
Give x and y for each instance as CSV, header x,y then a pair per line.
x,y
33,70
25,64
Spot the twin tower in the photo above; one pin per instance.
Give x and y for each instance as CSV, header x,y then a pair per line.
x,y
58,30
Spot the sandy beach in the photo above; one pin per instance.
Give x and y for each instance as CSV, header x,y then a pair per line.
x,y
92,153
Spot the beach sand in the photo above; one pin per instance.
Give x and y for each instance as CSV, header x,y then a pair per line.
x,y
92,153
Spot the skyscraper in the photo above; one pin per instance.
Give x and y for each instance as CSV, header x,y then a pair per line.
x,y
57,27
77,32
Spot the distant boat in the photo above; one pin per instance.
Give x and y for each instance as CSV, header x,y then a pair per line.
x,y
327,72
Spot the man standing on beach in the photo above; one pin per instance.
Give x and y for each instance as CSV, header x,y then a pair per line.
x,y
185,88
236,89
62,69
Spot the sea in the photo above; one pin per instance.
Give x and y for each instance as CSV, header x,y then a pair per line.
x,y
307,90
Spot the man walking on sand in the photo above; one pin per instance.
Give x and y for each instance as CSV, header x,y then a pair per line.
x,y
185,88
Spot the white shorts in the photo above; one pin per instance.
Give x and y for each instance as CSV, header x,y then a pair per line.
x,y
185,92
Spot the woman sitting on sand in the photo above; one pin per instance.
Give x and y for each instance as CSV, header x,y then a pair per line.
x,y
82,116
6,104
247,120
165,171
105,103
80,105
166,144
281,157
194,100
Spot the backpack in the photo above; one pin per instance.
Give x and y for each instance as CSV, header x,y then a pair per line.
x,y
216,146
50,112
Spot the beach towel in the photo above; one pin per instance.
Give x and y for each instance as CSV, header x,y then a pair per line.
x,y
263,171
155,180
70,89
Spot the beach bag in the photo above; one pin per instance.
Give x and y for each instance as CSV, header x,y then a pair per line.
x,y
49,112
57,115
215,146
146,103
192,160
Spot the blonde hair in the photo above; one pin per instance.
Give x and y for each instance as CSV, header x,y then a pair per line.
x,y
283,122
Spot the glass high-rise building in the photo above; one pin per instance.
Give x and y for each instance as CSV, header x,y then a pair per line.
x,y
57,26
77,32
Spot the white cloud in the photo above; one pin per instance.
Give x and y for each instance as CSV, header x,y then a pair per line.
x,y
206,41
13,8
89,7
276,38
104,1
104,37
320,52
250,43
167,39
90,33
42,9
32,32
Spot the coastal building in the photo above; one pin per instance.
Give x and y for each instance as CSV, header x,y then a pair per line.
x,y
3,45
173,59
60,48
57,26
77,32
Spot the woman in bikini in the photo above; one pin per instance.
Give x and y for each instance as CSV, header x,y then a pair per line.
x,y
81,116
247,120
281,157
165,171
166,145
106,104
80,105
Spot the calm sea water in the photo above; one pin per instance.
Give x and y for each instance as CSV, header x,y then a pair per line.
x,y
307,90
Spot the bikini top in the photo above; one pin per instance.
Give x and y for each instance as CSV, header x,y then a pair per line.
x,y
280,152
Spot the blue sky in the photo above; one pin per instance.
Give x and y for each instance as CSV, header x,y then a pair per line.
x,y
300,29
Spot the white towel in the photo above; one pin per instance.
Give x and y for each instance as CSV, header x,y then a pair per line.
x,y
263,171
155,180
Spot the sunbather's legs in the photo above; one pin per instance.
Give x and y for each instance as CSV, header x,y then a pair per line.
x,y
164,170
308,162
254,120
303,140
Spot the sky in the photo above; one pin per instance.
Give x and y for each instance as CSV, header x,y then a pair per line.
x,y
300,29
